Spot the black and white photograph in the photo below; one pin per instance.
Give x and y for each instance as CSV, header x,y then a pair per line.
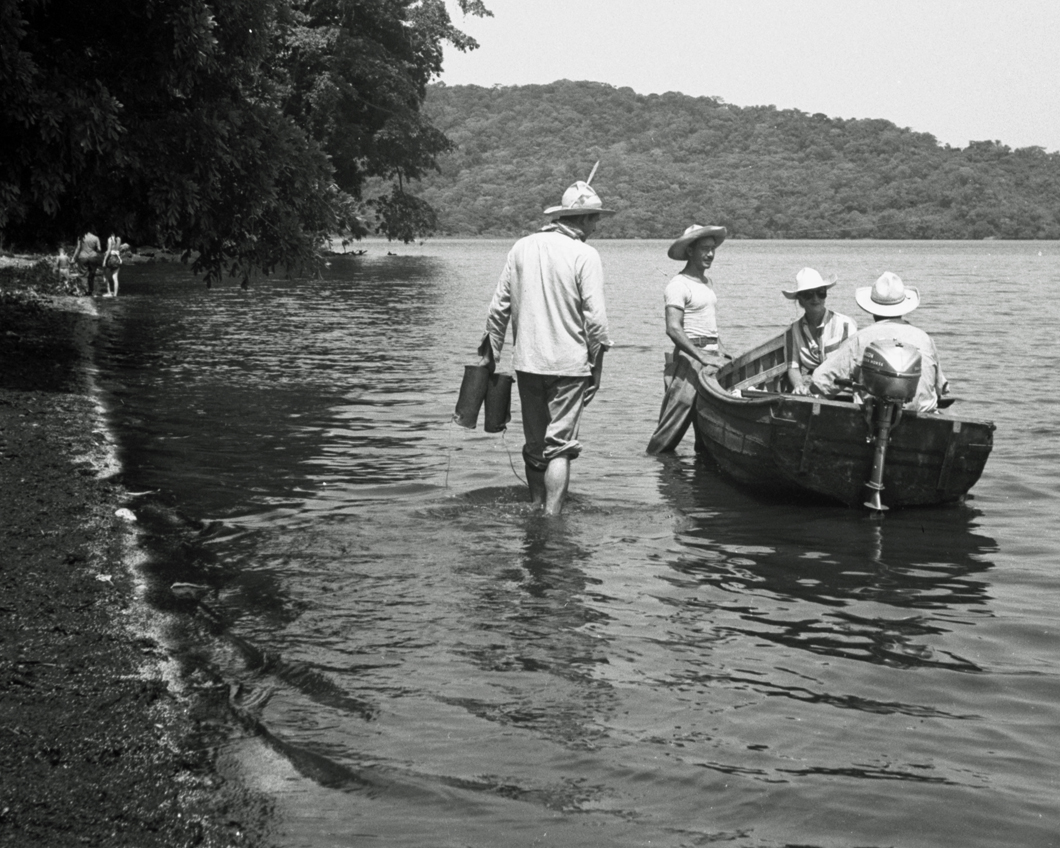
x,y
508,424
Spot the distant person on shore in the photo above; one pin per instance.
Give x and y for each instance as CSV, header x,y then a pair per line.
x,y
691,323
551,291
88,258
819,331
65,266
887,300
112,262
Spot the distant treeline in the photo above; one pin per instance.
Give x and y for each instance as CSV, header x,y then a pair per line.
x,y
669,160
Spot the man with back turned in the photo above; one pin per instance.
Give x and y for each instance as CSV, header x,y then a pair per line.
x,y
551,291
887,300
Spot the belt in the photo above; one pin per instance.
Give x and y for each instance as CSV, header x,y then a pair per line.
x,y
704,341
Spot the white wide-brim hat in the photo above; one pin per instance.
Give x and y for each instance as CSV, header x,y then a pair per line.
x,y
579,199
809,280
888,297
679,249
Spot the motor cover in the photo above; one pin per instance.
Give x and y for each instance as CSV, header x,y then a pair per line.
x,y
890,370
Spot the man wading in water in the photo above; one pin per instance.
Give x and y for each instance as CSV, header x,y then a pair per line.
x,y
552,292
692,325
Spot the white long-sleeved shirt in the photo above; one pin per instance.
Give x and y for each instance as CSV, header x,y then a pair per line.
x,y
552,292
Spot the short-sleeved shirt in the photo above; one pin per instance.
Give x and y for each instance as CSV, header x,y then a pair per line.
x,y
805,352
698,301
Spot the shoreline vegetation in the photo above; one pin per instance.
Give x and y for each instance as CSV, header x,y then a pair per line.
x,y
667,160
102,743
240,131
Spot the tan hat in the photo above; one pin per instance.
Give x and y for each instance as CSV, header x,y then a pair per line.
x,y
809,280
888,297
580,199
679,249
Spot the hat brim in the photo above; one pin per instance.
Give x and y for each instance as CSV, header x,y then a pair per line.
x,y
791,294
679,249
863,296
567,211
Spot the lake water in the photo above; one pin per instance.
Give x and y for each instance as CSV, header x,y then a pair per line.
x,y
673,662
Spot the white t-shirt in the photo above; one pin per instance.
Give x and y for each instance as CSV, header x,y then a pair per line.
x,y
698,301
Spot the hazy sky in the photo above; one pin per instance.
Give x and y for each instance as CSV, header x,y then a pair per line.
x,y
962,70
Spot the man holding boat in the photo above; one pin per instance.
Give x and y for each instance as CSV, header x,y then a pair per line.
x,y
692,325
551,291
887,300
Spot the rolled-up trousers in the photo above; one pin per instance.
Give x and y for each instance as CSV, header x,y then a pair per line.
x,y
679,401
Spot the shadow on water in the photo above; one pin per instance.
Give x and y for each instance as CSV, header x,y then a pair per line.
x,y
527,622
533,630
217,393
178,556
828,579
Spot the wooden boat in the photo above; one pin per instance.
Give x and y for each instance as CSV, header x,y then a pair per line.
x,y
764,437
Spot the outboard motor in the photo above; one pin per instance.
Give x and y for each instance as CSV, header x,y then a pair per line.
x,y
890,370
890,374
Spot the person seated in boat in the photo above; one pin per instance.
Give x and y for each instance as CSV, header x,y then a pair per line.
x,y
887,300
819,332
691,324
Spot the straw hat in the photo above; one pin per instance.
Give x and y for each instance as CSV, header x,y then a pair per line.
x,y
579,199
679,249
888,297
809,280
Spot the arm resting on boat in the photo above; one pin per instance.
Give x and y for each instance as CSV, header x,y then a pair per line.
x,y
800,384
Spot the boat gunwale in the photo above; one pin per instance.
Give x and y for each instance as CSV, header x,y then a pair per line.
x,y
709,385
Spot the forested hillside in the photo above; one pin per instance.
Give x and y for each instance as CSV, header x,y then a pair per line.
x,y
668,160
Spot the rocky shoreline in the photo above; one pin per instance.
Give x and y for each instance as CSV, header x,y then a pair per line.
x,y
100,742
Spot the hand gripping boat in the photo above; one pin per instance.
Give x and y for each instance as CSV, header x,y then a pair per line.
x,y
870,454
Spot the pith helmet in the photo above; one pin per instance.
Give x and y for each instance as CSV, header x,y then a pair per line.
x,y
580,199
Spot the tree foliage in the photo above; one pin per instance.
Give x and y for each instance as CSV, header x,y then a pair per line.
x,y
669,160
242,131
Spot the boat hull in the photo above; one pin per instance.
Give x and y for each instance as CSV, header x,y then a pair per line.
x,y
783,442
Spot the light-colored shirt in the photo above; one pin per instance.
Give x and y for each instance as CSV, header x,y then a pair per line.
x,y
698,301
552,292
805,352
843,362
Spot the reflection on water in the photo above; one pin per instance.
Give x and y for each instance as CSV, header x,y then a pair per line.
x,y
672,662
882,590
531,618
